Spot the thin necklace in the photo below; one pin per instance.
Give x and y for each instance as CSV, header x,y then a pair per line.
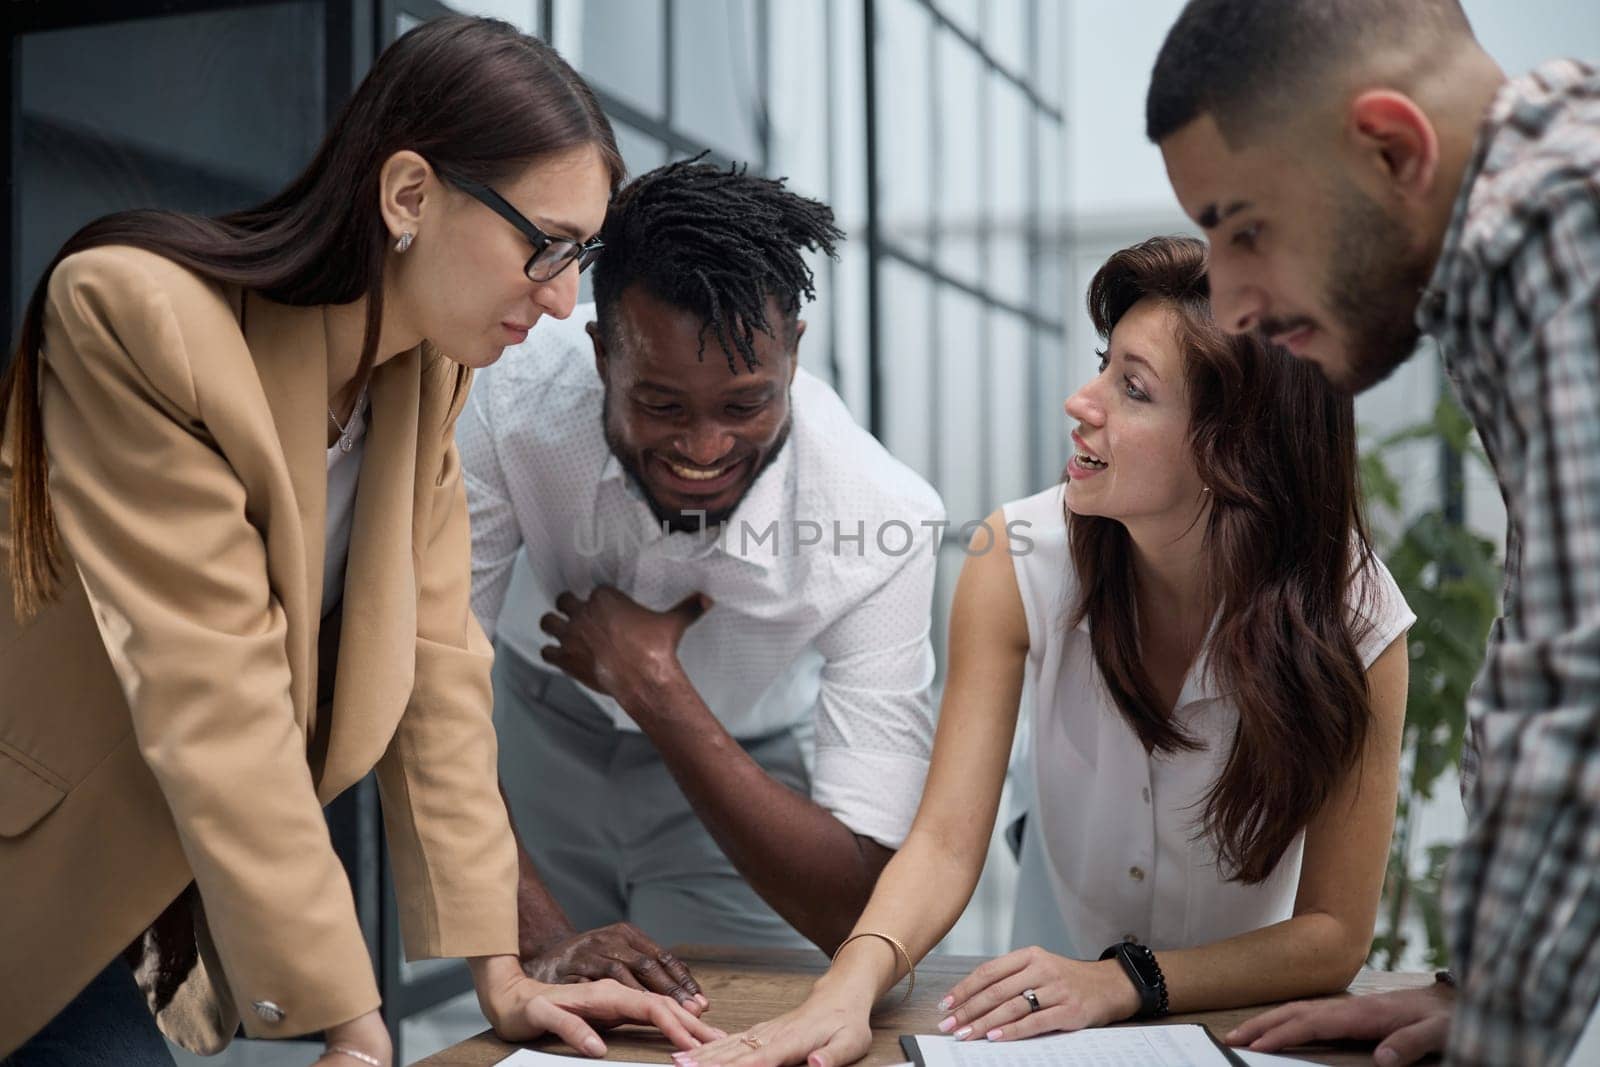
x,y
346,441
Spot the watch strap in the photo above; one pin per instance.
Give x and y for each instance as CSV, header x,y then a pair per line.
x,y
1152,995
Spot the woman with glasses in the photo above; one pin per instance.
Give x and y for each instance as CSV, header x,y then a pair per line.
x,y
234,562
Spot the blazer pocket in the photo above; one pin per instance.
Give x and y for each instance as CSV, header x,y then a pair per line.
x,y
25,795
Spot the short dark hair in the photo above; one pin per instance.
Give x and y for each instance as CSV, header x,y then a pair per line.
x,y
715,242
1248,61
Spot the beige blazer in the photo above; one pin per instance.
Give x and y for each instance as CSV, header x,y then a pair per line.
x,y
158,722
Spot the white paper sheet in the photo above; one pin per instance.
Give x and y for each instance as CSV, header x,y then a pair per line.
x,y
1135,1046
1126,1053
527,1057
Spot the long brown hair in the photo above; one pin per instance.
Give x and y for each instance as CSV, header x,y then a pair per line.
x,y
475,97
1284,540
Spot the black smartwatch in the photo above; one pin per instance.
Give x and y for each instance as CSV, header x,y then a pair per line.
x,y
1145,974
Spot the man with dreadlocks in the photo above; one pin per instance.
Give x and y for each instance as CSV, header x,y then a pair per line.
x,y
722,731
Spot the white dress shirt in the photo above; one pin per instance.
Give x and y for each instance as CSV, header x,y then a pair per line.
x,y
1118,824
831,637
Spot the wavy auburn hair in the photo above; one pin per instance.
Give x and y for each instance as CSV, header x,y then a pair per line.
x,y
475,97
1284,540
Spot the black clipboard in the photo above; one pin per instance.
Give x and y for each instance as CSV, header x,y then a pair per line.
x,y
913,1052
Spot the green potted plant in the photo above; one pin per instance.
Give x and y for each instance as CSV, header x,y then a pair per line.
x,y
1451,578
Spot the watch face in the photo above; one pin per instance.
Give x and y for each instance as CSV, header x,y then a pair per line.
x,y
1144,964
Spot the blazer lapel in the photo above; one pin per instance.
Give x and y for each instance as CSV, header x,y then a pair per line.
x,y
290,349
377,651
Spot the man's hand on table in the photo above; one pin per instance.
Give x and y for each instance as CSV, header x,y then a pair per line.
x,y
1408,1023
620,952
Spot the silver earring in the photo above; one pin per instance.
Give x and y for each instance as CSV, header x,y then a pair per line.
x,y
1205,489
406,237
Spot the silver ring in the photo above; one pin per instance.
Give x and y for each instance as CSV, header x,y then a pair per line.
x,y
1033,1000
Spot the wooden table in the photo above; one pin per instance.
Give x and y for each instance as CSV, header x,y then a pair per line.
x,y
747,986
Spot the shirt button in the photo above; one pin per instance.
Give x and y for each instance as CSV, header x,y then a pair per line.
x,y
1146,792
268,1011
1136,873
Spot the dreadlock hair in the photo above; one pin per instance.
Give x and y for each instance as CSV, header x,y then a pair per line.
x,y
715,242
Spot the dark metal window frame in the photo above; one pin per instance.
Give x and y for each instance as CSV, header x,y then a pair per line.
x,y
1031,306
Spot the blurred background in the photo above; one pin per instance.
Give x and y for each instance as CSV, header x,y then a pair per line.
x,y
984,158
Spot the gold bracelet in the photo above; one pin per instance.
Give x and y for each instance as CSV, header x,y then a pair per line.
x,y
911,968
356,1054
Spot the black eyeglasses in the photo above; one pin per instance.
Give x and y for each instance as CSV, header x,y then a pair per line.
x,y
551,255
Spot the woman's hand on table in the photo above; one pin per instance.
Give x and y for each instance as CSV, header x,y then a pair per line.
x,y
520,1008
831,1029
1072,994
1408,1023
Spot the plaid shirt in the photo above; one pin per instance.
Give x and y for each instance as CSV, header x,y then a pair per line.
x,y
1515,306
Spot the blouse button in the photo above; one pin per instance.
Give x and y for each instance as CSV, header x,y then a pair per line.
x,y
1136,873
1146,794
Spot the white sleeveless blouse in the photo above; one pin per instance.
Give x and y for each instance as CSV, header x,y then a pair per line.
x,y
1118,825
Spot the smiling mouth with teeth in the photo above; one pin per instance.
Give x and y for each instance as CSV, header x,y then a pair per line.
x,y
695,474
1090,462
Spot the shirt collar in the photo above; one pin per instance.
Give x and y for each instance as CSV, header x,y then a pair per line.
x,y
1431,307
764,506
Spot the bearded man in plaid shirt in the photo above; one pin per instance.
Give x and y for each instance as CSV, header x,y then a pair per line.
x,y
1366,174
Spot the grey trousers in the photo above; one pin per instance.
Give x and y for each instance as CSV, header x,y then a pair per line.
x,y
610,831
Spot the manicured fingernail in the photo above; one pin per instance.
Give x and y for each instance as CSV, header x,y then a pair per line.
x,y
963,1033
947,1003
993,1035
594,1046
1230,1036
1386,1056
701,997
816,1060
948,1025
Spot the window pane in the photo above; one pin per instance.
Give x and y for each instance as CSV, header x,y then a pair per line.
x,y
1051,41
523,14
907,368
817,347
1010,220
960,75
716,82
905,122
617,45
640,151
1051,447
961,464
797,52
1011,398
963,13
162,112
1005,35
